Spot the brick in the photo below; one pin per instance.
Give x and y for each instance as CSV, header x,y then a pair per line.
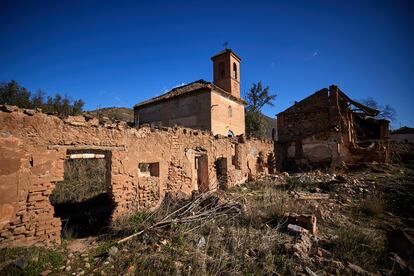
x,y
6,234
36,197
19,230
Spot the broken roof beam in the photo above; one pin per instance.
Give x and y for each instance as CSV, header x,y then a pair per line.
x,y
367,110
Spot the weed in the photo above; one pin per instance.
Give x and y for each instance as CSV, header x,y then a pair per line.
x,y
68,233
359,246
293,183
140,217
103,247
372,206
38,259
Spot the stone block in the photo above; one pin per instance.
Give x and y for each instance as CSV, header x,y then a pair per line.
x,y
36,197
306,221
6,234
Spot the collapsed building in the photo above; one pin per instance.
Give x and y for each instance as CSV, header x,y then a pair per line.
x,y
176,161
328,129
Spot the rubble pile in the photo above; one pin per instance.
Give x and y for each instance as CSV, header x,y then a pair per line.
x,y
330,198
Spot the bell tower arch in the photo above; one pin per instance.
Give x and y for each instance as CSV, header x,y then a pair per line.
x,y
226,71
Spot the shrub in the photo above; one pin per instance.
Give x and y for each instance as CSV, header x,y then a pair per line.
x,y
372,206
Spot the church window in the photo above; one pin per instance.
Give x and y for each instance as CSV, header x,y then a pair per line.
x,y
235,70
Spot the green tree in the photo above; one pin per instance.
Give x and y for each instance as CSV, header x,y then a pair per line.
x,y
386,112
78,106
13,94
257,97
38,99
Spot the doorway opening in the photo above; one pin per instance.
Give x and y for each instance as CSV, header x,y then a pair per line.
x,y
221,172
201,168
83,200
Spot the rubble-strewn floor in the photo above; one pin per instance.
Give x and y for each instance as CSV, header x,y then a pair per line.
x,y
364,221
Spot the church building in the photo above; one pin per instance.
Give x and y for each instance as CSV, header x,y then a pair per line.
x,y
215,106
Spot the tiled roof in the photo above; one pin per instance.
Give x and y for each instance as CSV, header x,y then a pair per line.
x,y
186,89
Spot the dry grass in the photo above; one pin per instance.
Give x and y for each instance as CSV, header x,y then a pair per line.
x,y
220,247
252,242
270,204
372,206
36,260
234,244
361,246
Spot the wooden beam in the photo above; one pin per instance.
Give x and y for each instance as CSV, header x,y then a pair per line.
x,y
86,147
85,156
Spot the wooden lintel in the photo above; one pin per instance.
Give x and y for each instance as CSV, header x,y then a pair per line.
x,y
86,147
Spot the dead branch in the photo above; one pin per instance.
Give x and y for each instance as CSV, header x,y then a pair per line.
x,y
204,207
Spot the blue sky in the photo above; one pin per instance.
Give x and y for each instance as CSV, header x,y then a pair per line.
x,y
118,53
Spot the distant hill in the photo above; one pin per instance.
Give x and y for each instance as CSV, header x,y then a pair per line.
x,y
114,113
403,130
127,114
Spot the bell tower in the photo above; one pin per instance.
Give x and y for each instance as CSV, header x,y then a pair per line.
x,y
226,68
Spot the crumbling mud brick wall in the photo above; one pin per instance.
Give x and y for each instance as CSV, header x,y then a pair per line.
x,y
323,131
143,165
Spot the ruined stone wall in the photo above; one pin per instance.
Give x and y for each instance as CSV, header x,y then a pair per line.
x,y
305,118
311,132
325,149
319,131
33,147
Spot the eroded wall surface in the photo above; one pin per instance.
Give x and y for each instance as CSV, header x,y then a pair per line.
x,y
204,109
33,147
192,110
226,115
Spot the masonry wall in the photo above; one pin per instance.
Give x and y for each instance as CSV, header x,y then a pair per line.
x,y
227,81
226,115
33,147
192,110
319,131
312,115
